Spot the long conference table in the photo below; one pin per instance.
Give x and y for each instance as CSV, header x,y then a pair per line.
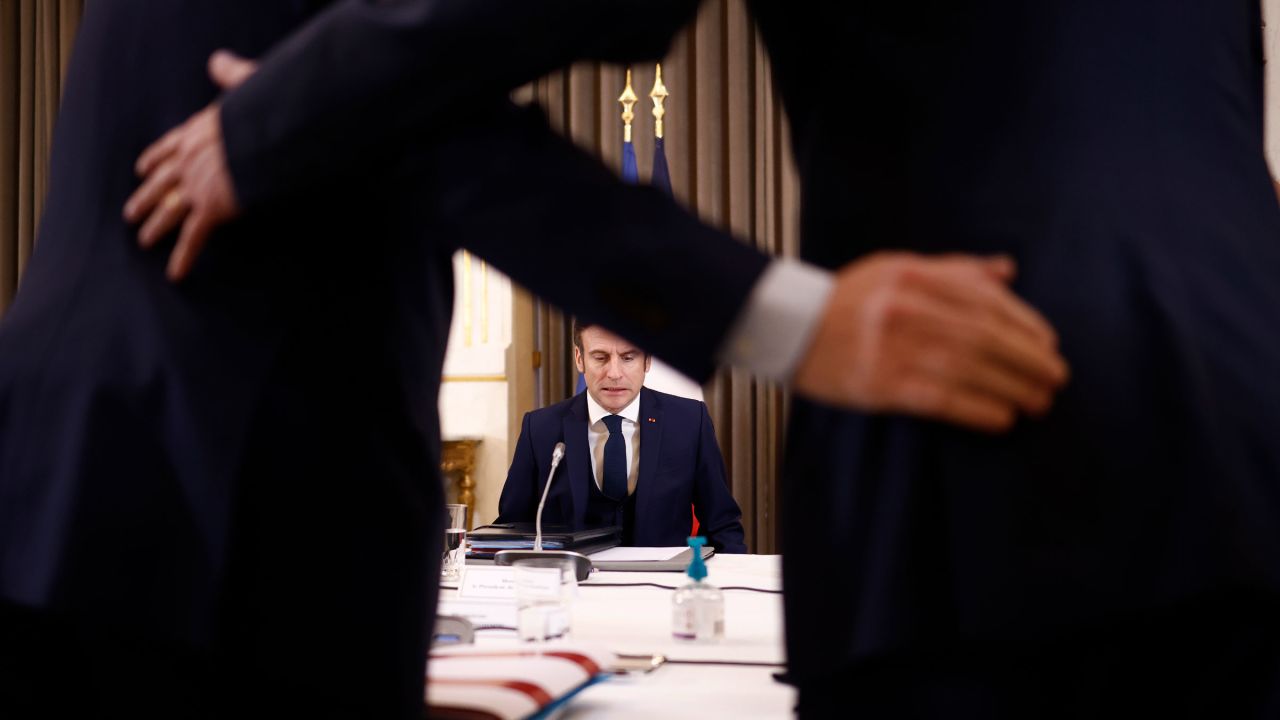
x,y
732,678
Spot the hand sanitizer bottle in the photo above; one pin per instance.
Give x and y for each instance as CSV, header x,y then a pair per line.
x,y
698,607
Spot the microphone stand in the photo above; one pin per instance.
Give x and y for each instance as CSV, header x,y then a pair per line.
x,y
556,456
547,558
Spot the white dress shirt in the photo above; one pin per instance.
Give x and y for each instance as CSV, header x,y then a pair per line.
x,y
598,435
779,319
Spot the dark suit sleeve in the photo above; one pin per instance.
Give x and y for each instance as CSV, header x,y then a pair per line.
x,y
558,222
719,517
364,74
520,493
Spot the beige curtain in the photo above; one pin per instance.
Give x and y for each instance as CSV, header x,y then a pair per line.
x,y
35,47
730,162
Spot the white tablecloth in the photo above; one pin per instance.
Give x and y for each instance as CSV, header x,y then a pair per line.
x,y
637,620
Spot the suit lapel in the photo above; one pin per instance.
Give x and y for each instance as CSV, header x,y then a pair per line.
x,y
577,461
651,427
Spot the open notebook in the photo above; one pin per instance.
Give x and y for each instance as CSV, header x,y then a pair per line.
x,y
494,683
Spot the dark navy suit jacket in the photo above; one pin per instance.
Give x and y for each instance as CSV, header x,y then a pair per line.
x,y
680,465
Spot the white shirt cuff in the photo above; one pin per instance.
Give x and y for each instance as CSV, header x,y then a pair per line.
x,y
774,329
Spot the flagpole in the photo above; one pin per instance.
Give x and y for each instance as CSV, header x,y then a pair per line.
x,y
628,99
663,377
659,95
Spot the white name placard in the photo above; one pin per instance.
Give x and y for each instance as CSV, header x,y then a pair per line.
x,y
487,581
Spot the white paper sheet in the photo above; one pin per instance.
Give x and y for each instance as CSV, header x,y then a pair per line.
x,y
637,554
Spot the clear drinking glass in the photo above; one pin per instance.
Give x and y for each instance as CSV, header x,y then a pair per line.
x,y
455,543
545,588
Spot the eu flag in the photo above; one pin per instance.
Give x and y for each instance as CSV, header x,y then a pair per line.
x,y
630,173
661,177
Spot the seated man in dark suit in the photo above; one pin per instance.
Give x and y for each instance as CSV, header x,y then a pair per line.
x,y
634,457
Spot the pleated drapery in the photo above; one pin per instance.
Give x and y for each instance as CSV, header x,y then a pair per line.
x,y
35,47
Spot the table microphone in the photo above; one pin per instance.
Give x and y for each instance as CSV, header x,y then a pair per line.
x,y
552,558
556,456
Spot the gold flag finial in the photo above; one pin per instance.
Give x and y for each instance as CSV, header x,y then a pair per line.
x,y
659,94
628,99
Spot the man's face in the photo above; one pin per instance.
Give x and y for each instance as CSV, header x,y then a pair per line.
x,y
613,368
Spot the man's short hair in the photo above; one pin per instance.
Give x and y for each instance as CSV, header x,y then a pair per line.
x,y
575,332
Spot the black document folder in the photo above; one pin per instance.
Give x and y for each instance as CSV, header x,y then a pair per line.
x,y
487,540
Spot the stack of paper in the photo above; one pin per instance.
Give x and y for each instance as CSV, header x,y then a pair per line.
x,y
646,559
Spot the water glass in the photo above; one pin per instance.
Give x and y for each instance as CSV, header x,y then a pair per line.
x,y
545,588
455,543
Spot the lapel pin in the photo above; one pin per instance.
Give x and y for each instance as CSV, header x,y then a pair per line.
x,y
652,420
